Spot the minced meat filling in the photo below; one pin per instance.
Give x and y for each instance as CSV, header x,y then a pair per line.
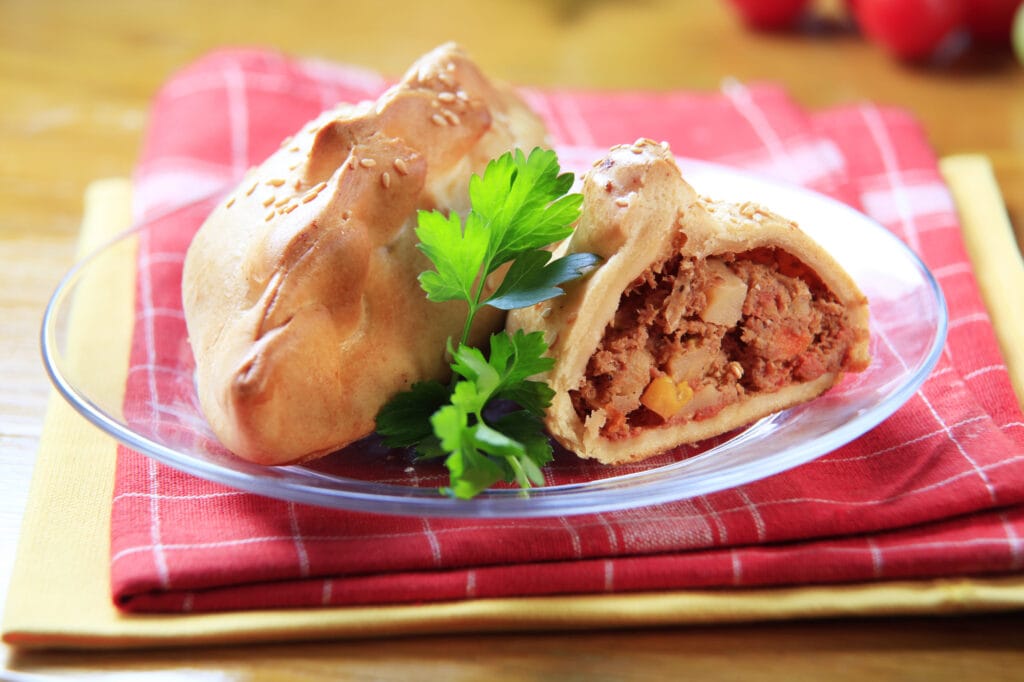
x,y
693,335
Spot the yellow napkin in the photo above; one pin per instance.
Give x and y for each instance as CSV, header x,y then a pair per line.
x,y
993,250
60,588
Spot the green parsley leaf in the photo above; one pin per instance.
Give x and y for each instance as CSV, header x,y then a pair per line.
x,y
470,473
532,396
520,206
528,429
518,356
532,279
523,200
405,420
470,363
456,253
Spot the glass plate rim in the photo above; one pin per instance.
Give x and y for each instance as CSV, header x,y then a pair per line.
x,y
641,488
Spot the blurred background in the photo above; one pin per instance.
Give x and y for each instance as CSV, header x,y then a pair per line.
x,y
76,77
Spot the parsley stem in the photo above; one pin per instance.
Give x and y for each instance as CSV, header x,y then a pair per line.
x,y
474,302
521,478
468,324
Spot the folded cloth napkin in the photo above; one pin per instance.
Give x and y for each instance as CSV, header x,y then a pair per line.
x,y
936,490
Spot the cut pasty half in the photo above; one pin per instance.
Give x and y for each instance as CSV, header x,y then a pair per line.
x,y
705,316
300,292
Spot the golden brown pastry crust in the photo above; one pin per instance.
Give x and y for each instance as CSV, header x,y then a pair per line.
x,y
300,292
636,205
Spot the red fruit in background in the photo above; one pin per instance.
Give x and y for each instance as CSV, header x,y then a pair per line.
x,y
990,21
909,29
769,15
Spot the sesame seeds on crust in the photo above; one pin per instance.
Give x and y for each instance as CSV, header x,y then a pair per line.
x,y
346,138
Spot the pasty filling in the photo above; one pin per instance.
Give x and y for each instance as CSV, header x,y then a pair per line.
x,y
692,336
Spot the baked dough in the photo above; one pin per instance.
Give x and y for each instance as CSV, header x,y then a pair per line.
x,y
300,292
705,316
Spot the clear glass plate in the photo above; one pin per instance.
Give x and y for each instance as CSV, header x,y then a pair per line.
x,y
908,327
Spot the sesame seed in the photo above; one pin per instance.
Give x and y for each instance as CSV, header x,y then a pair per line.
x,y
622,201
461,94
290,207
446,79
275,182
295,165
639,142
269,200
446,97
664,145
545,314
438,119
313,193
252,188
282,202
231,202
749,209
452,117
367,163
286,140
450,66
636,150
401,167
269,216
294,148
385,179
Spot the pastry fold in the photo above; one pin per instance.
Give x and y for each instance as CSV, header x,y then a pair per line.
x,y
705,316
300,290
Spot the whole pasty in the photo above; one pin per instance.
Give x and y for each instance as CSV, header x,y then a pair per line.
x,y
300,292
704,317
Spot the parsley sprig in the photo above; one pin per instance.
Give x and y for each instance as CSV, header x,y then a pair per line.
x,y
487,422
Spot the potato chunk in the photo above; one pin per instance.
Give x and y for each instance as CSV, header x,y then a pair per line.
x,y
725,295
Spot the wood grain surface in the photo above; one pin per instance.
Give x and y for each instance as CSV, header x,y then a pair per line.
x,y
75,82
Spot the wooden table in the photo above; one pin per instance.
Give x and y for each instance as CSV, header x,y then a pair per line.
x,y
75,80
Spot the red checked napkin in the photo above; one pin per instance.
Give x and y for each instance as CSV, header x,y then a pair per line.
x,y
936,490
